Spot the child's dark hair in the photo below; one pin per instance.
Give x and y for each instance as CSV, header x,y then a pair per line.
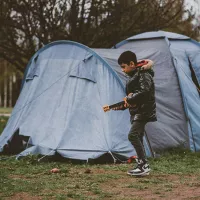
x,y
126,57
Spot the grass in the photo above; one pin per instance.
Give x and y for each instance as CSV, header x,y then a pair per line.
x,y
176,174
5,110
32,179
3,121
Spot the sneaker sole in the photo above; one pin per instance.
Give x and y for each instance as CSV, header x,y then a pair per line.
x,y
142,174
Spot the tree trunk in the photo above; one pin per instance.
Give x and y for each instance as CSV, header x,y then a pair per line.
x,y
10,89
5,86
1,100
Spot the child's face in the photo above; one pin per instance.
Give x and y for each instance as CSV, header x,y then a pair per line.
x,y
128,68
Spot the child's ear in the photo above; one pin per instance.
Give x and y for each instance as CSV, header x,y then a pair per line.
x,y
132,64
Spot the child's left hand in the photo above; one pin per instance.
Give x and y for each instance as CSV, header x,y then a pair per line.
x,y
127,105
106,108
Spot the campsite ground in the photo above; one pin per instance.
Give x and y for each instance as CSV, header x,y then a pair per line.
x,y
175,175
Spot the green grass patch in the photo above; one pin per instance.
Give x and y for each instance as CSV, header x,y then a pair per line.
x,y
177,161
175,169
3,121
5,110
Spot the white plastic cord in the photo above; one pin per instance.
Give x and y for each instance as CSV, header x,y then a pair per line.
x,y
112,156
45,155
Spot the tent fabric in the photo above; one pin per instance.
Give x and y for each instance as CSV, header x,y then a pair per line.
x,y
174,86
154,35
60,106
158,34
194,57
81,71
190,95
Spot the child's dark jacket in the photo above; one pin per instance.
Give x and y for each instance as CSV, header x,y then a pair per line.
x,y
141,84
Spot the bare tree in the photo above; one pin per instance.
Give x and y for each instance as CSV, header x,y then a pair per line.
x,y
27,25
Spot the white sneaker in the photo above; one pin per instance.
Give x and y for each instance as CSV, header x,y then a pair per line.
x,y
142,169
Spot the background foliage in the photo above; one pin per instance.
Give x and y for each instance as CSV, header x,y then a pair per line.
x,y
27,25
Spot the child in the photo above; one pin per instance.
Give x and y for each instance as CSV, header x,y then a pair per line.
x,y
140,100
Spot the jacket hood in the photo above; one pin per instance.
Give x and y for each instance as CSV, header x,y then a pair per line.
x,y
149,69
145,68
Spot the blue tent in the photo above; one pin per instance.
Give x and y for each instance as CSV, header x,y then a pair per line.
x,y
177,79
59,109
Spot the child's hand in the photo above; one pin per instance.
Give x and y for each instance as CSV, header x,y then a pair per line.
x,y
106,108
130,94
127,105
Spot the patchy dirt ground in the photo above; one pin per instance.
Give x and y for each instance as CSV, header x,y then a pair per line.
x,y
26,180
152,187
24,195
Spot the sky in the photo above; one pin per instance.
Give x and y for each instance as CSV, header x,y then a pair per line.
x,y
195,4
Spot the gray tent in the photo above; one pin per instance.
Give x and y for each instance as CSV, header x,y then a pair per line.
x,y
177,79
